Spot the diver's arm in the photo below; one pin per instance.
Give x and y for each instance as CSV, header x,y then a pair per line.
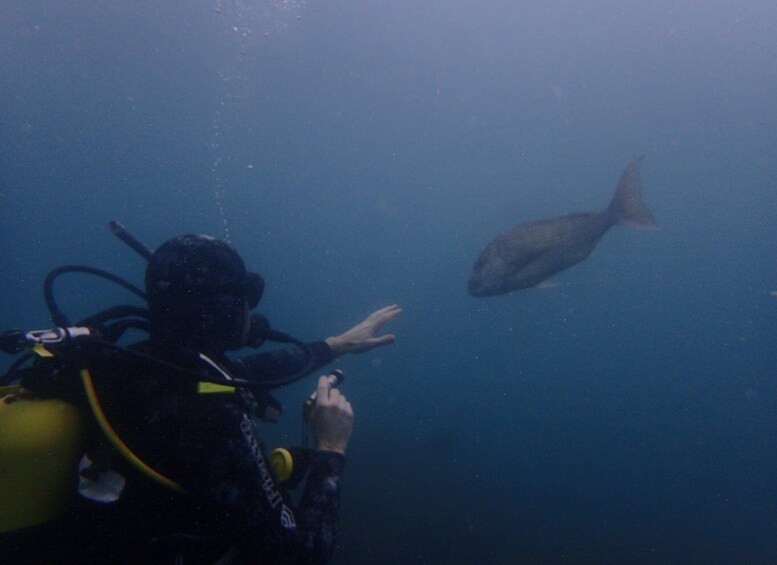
x,y
319,510
331,424
282,362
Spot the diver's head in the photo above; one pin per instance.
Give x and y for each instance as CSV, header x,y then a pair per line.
x,y
200,294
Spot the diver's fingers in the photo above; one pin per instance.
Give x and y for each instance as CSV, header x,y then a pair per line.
x,y
323,387
369,343
346,407
340,402
383,340
334,399
326,390
383,316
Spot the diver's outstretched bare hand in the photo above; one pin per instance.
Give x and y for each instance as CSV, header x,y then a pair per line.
x,y
361,337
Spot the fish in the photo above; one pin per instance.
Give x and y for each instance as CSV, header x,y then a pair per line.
x,y
528,254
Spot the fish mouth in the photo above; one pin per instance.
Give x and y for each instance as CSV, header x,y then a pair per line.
x,y
475,288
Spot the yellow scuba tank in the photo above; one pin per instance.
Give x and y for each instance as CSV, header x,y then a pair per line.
x,y
39,452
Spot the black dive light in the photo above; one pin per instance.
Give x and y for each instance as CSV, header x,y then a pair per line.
x,y
336,378
290,464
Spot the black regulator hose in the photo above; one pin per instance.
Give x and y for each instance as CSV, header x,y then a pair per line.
x,y
57,316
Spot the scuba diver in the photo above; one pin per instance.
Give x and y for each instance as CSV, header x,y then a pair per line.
x,y
151,453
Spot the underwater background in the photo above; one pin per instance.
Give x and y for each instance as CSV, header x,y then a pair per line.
x,y
361,153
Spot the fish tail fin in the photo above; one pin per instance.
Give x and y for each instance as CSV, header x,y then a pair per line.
x,y
626,207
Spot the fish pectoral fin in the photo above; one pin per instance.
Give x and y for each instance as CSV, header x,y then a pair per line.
x,y
545,285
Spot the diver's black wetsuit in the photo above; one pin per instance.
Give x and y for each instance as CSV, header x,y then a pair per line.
x,y
233,508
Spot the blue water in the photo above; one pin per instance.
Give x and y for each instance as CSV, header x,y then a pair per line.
x,y
362,154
